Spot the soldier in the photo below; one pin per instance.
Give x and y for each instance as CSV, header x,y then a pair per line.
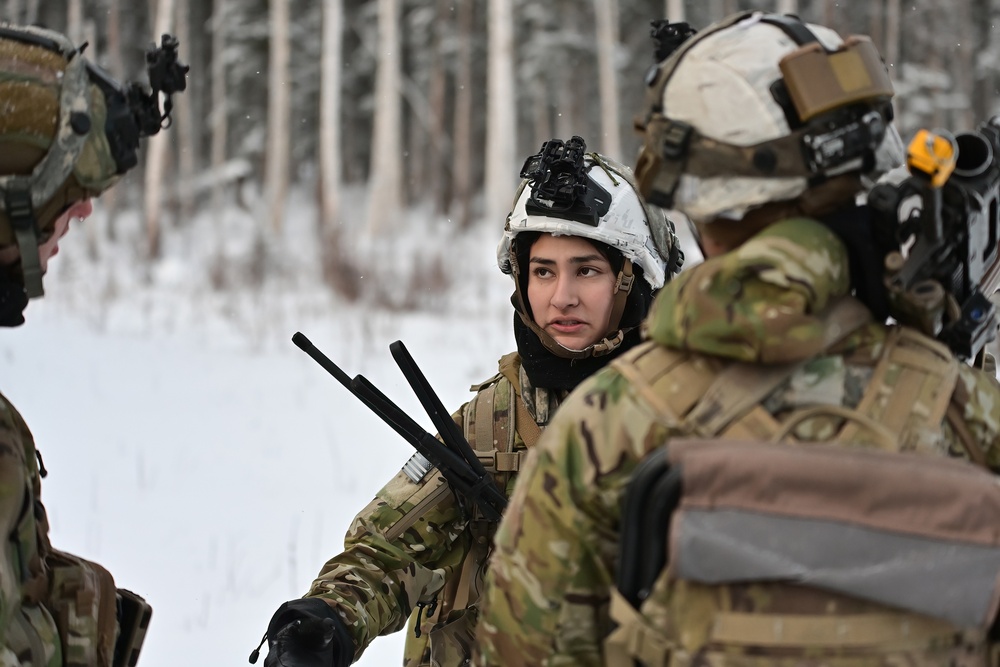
x,y
586,256
67,133
761,130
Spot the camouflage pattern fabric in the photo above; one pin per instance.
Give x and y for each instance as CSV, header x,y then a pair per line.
x,y
552,571
28,633
403,556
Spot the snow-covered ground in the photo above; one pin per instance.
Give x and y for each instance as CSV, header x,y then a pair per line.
x,y
192,448
198,454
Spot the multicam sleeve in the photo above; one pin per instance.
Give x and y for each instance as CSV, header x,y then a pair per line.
x,y
399,549
978,395
548,586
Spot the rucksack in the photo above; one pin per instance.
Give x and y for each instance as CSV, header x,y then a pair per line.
x,y
738,550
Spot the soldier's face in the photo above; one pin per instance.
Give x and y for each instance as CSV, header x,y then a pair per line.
x,y
570,290
79,210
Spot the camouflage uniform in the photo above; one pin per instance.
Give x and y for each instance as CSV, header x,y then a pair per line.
x,y
413,553
553,568
29,634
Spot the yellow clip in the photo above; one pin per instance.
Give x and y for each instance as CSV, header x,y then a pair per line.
x,y
933,155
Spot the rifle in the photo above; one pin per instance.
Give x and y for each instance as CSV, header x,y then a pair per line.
x,y
452,455
953,260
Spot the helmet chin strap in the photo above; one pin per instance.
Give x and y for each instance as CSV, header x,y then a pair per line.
x,y
612,340
22,221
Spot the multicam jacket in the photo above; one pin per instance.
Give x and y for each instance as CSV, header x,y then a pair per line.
x,y
413,553
553,568
28,634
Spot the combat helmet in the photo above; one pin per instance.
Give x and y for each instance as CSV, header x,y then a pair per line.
x,y
568,191
68,131
759,108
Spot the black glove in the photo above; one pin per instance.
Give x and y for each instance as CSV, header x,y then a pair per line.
x,y
307,633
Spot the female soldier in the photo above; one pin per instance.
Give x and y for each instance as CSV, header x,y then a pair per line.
x,y
586,255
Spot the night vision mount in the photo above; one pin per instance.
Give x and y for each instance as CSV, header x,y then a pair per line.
x,y
667,36
560,185
134,111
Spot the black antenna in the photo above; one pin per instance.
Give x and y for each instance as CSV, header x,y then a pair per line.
x,y
466,476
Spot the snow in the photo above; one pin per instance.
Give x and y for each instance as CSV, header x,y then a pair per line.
x,y
192,449
199,455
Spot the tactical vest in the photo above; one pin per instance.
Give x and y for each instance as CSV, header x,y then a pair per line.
x,y
706,607
65,611
500,429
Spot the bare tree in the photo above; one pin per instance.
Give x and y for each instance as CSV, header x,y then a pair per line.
x,y
890,50
439,169
463,116
13,11
218,116
386,179
675,10
607,45
156,148
278,113
329,113
185,124
74,21
501,103
788,6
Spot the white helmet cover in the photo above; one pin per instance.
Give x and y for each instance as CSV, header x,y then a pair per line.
x,y
721,85
641,233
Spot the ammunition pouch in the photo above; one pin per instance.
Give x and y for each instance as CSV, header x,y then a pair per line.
x,y
99,625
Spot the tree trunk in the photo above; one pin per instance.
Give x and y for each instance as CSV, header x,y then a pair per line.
x,y
964,65
386,179
13,12
185,124
788,6
156,151
329,113
876,24
501,105
462,175
278,114
110,198
74,21
438,168
607,46
675,10
891,51
218,116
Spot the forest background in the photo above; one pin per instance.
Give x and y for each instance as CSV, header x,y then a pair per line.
x,y
385,115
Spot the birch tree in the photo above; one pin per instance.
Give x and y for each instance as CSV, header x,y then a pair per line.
x,y
788,6
462,154
501,103
278,113
439,168
185,123
329,113
675,10
74,21
386,178
156,148
606,19
218,116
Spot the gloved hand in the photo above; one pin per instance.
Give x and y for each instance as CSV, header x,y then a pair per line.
x,y
307,633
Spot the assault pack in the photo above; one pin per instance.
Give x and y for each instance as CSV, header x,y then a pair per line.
x,y
842,551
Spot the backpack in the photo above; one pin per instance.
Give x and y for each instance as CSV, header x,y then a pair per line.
x,y
740,549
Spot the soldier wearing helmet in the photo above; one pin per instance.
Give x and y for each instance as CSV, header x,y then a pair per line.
x,y
67,133
763,130
586,256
